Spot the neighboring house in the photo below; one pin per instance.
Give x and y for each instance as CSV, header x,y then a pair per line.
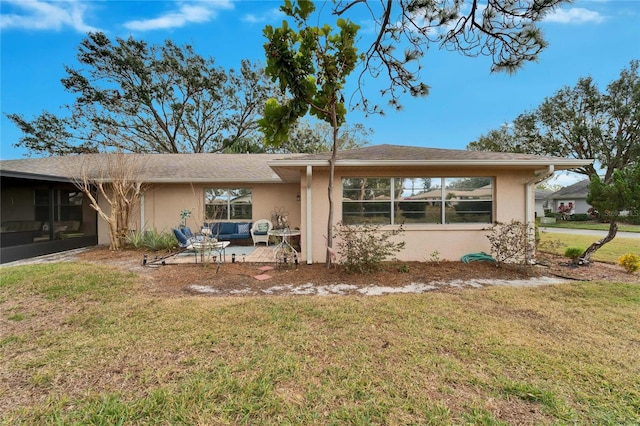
x,y
543,203
574,197
447,200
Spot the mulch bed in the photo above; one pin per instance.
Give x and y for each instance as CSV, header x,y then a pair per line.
x,y
239,278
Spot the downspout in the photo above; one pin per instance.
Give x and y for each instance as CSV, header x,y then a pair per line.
x,y
142,212
540,176
309,227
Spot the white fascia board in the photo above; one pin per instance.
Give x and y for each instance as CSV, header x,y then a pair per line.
x,y
569,163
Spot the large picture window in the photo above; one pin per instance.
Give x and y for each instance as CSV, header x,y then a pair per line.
x,y
227,203
425,200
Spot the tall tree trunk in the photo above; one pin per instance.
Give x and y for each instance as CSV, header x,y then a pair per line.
x,y
332,166
585,258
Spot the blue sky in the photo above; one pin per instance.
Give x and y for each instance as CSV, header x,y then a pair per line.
x,y
588,37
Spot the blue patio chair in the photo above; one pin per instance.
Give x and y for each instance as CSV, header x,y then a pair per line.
x,y
186,231
183,242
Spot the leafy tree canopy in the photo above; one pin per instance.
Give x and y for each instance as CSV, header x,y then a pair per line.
x,y
579,122
151,98
506,31
311,65
611,200
620,196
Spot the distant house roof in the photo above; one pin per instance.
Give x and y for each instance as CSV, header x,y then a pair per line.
x,y
577,190
543,194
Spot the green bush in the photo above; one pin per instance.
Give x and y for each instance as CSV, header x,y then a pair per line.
x,y
403,268
151,240
580,217
573,252
363,248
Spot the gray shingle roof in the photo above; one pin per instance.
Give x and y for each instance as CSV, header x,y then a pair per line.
x,y
269,167
157,167
579,189
376,154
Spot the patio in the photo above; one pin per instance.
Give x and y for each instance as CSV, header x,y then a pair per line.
x,y
249,254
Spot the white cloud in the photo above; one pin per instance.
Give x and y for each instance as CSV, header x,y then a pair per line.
x,y
268,16
192,12
575,15
46,15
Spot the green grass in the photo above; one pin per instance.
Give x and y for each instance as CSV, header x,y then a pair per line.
x,y
610,252
597,226
101,350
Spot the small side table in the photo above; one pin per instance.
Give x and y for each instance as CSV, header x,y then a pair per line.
x,y
284,251
206,247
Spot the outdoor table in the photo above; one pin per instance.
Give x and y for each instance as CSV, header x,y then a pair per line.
x,y
284,249
206,246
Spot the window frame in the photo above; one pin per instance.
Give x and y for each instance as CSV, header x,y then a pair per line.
x,y
395,199
228,207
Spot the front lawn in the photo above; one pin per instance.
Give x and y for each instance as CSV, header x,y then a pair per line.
x,y
85,344
557,243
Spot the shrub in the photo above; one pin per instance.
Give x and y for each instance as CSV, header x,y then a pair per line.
x,y
510,242
580,217
403,268
630,262
573,252
363,248
135,240
151,240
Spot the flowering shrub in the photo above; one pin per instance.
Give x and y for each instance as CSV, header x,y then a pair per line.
x,y
630,262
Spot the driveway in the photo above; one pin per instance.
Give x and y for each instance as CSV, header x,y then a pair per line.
x,y
619,234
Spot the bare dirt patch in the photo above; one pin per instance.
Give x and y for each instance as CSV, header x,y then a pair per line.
x,y
181,279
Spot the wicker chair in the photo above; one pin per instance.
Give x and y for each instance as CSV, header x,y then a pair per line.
x,y
260,231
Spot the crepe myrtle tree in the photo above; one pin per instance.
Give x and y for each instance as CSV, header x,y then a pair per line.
x,y
311,64
613,200
113,178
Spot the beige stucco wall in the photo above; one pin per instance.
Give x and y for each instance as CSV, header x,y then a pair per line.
x,y
162,204
451,241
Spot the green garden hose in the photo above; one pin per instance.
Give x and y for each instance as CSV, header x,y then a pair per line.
x,y
477,257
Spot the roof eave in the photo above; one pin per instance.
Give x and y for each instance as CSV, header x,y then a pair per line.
x,y
205,180
34,176
558,164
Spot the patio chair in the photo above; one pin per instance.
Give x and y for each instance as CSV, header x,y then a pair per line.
x,y
186,231
260,231
184,244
